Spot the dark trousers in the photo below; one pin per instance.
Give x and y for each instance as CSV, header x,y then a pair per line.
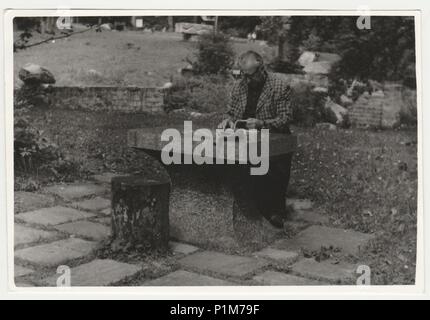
x,y
264,195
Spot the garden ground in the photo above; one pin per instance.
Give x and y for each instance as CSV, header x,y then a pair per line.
x,y
359,179
362,180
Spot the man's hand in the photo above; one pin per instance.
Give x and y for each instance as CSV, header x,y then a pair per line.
x,y
252,123
226,123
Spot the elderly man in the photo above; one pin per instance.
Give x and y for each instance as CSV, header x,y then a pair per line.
x,y
264,101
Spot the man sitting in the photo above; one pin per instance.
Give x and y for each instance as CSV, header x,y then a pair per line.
x,y
264,101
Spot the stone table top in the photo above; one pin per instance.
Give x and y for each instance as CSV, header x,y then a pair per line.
x,y
149,139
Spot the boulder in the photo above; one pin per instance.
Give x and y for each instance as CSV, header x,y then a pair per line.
x,y
321,90
106,26
318,62
319,67
34,74
306,58
335,111
167,85
326,126
346,101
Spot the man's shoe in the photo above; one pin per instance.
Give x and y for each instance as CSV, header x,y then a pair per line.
x,y
277,221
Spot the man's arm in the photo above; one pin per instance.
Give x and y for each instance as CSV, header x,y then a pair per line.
x,y
283,111
230,116
231,113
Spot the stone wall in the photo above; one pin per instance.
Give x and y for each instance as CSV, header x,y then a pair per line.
x,y
367,110
309,79
382,108
108,98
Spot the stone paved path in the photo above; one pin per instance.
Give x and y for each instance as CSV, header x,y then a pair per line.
x,y
65,223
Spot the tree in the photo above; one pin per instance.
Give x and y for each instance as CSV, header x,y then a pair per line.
x,y
170,23
275,30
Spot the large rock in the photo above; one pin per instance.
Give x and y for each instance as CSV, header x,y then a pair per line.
x,y
193,28
382,108
307,57
318,62
34,74
346,101
336,112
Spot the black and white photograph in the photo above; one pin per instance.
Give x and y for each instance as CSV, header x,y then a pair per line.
x,y
256,150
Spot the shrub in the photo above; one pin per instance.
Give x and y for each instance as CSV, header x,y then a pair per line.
x,y
308,106
408,113
283,66
215,54
33,151
202,93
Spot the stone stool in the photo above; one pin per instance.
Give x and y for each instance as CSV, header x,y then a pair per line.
x,y
140,213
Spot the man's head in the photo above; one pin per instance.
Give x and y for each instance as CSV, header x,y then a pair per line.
x,y
250,62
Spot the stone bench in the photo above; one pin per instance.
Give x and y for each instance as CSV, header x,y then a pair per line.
x,y
204,210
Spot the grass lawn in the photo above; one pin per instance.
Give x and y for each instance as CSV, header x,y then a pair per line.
x,y
363,180
129,58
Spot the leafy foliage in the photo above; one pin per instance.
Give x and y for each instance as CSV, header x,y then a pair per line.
x,y
238,26
215,54
34,152
385,52
308,106
202,93
366,181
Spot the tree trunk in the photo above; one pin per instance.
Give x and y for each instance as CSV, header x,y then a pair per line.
x,y
281,51
140,213
216,25
170,23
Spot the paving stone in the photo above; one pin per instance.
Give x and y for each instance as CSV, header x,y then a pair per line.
x,y
314,237
56,253
24,235
75,191
53,216
28,201
215,262
182,248
105,177
325,271
21,271
185,278
310,216
106,220
274,278
279,256
21,284
86,229
97,273
95,204
300,204
107,211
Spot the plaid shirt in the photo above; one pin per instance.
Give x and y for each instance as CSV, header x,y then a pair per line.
x,y
274,104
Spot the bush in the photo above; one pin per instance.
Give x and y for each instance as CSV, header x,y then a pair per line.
x,y
202,93
215,54
31,148
408,113
33,151
308,106
282,66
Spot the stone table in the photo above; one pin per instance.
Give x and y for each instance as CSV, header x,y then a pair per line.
x,y
204,208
